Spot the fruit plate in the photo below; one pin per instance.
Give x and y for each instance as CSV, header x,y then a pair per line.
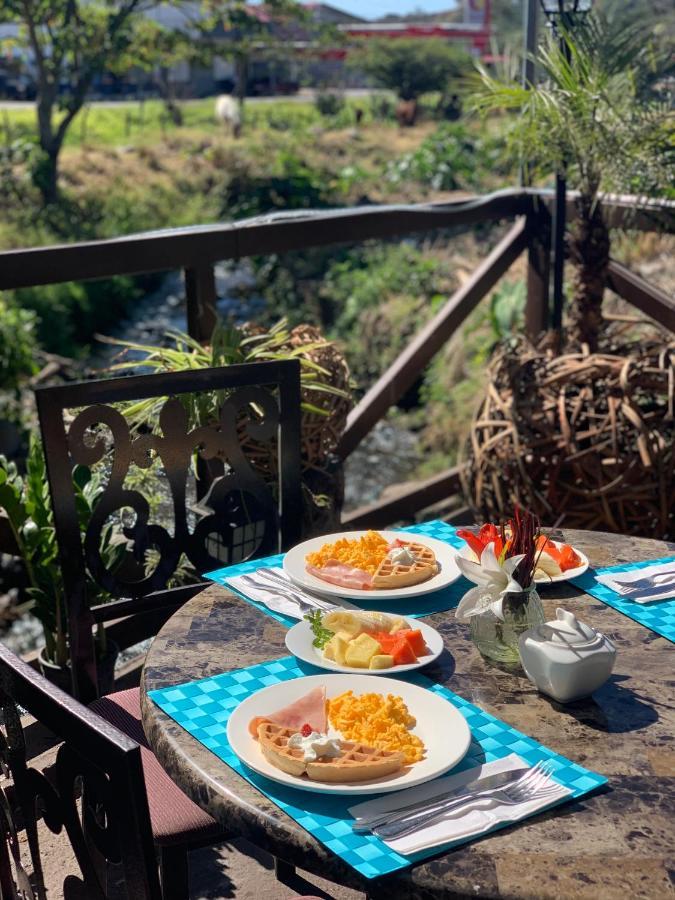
x,y
294,567
299,640
440,725
541,580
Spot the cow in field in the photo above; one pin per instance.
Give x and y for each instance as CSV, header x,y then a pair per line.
x,y
228,114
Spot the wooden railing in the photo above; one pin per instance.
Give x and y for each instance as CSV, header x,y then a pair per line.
x,y
197,249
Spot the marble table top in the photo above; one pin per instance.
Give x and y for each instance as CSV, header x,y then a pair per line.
x,y
617,843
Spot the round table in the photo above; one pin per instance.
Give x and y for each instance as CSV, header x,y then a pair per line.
x,y
618,843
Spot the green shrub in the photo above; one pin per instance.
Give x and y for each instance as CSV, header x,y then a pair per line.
x,y
378,298
452,158
329,103
18,345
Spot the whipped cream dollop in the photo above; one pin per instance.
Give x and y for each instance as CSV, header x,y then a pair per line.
x,y
315,746
401,556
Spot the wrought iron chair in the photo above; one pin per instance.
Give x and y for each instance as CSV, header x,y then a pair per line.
x,y
95,761
235,514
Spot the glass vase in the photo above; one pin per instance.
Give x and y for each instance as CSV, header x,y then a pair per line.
x,y
498,640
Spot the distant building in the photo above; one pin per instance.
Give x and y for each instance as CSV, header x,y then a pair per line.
x,y
292,54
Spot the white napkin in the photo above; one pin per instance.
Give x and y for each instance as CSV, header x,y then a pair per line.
x,y
627,578
476,821
270,598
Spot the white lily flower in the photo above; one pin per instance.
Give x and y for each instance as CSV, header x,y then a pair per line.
x,y
493,580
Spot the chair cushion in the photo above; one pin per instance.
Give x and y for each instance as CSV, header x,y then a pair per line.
x,y
175,818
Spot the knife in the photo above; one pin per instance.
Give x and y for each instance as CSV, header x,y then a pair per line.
x,y
485,783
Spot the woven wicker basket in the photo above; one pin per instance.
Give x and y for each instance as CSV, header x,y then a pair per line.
x,y
583,440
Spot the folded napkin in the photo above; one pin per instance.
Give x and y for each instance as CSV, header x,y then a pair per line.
x,y
625,579
485,816
269,596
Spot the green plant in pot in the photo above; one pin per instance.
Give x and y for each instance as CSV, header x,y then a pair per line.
x,y
325,396
26,503
584,431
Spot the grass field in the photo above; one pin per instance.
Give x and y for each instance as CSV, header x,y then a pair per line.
x,y
147,121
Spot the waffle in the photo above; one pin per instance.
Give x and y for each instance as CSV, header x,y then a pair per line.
x,y
358,762
390,575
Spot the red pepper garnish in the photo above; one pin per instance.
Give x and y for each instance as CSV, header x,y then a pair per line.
x,y
472,540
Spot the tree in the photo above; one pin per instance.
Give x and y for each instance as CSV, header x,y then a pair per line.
x,y
596,113
412,67
71,41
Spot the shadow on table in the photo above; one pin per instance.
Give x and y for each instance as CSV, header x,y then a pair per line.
x,y
613,708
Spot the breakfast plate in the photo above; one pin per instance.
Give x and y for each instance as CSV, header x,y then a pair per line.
x,y
541,580
300,642
295,567
440,726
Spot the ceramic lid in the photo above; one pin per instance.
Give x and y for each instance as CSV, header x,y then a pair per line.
x,y
567,631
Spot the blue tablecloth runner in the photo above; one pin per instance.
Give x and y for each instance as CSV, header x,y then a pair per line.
x,y
204,707
659,617
439,601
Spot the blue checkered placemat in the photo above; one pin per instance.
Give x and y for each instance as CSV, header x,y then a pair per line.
x,y
203,708
660,617
416,607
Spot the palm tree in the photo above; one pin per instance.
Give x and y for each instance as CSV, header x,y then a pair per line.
x,y
600,114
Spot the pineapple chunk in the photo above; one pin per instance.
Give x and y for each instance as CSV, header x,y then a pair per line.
x,y
335,649
399,624
381,661
361,650
346,636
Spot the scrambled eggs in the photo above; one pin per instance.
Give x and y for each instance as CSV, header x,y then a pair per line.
x,y
365,553
378,721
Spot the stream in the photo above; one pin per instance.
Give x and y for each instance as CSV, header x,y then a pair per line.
x,y
389,454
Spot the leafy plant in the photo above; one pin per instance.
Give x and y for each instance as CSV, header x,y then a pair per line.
x,y
600,113
27,503
18,345
451,158
229,346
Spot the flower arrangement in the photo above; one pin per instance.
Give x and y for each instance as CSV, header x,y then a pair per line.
x,y
508,556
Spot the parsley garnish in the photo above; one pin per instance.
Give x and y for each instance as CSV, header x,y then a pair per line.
x,y
321,635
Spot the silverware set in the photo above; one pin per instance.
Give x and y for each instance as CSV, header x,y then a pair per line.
x,y
268,580
506,789
662,582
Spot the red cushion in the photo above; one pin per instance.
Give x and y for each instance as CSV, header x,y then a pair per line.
x,y
175,818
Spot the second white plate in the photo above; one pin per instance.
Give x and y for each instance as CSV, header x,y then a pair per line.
x,y
299,642
542,581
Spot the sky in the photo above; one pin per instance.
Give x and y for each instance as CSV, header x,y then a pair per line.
x,y
373,9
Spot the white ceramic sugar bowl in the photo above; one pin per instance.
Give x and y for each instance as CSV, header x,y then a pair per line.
x,y
566,658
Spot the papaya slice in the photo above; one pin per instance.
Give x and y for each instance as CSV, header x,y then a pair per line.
x,y
403,653
416,641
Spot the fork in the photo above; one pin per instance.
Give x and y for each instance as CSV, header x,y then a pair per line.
x,y
535,784
661,579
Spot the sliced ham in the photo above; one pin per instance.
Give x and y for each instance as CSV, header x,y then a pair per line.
x,y
310,709
343,575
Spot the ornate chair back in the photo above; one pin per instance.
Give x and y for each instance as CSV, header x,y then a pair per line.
x,y
237,428
95,763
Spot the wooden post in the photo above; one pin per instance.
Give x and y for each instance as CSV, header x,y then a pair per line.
x,y
538,271
200,292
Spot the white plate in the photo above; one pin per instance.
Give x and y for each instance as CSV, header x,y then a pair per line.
x,y
299,641
294,567
467,553
440,725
